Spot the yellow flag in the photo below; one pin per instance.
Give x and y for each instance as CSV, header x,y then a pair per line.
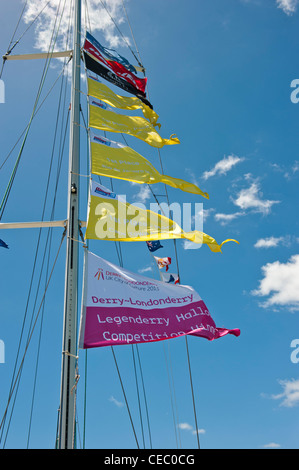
x,y
115,160
110,217
106,120
102,92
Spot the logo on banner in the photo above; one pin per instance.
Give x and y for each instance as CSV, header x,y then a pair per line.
x,y
101,140
99,274
100,104
101,191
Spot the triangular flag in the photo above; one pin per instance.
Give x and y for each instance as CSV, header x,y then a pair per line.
x,y
3,244
136,126
154,245
170,278
163,262
111,217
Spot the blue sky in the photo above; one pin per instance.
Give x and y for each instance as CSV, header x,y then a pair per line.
x,y
219,76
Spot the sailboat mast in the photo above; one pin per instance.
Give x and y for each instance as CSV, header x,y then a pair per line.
x,y
69,352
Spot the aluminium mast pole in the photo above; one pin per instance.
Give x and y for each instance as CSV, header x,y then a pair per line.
x,y
69,352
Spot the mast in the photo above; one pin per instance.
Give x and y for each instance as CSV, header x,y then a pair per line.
x,y
69,351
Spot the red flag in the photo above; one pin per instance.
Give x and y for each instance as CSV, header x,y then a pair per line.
x,y
116,67
161,262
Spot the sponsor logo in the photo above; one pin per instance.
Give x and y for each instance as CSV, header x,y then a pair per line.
x,y
102,192
101,140
99,104
99,274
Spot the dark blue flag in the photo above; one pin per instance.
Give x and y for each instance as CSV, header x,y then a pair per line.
x,y
3,244
154,245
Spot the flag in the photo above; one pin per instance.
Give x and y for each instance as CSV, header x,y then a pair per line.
x,y
97,68
154,245
3,244
163,262
94,48
111,217
103,92
133,125
127,308
170,278
110,54
115,160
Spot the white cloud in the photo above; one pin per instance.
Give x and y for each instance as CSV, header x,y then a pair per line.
x,y
288,6
143,194
251,198
272,445
226,218
290,394
281,284
97,15
145,270
295,167
268,242
223,166
188,427
119,404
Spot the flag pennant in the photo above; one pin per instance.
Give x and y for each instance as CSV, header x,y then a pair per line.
x,y
98,52
163,262
154,245
144,310
170,278
109,54
115,160
135,126
96,67
111,217
103,92
3,244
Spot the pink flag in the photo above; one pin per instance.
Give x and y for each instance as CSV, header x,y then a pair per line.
x,y
121,307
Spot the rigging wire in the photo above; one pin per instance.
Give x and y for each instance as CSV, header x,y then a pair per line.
x,y
37,110
144,395
37,250
177,261
35,266
132,34
171,400
17,25
139,62
125,397
119,254
138,396
118,251
122,36
174,394
11,47
42,81
31,333
50,231
166,195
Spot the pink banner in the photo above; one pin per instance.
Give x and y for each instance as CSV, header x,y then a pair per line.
x,y
121,307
